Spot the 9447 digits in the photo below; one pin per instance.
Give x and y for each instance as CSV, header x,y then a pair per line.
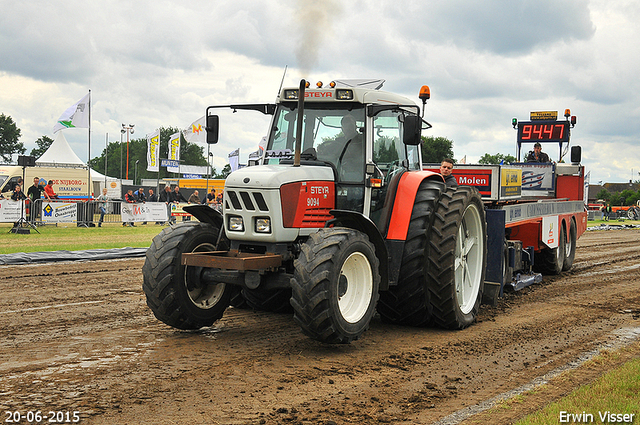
x,y
52,417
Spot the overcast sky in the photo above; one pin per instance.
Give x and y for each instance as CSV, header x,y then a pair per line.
x,y
161,63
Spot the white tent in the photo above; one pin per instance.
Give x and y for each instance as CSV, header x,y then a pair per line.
x,y
60,154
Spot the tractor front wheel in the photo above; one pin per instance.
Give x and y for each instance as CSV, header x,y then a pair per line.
x,y
175,293
335,285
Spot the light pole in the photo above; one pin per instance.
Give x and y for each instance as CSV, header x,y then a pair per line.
x,y
106,154
121,132
135,175
129,130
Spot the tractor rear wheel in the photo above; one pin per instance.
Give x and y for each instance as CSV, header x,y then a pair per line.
x,y
175,293
457,258
408,302
335,285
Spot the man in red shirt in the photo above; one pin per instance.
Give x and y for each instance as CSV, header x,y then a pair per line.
x,y
48,191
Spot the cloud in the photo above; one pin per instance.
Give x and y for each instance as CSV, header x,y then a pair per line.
x,y
161,63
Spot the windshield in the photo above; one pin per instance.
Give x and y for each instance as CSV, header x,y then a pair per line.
x,y
2,180
323,128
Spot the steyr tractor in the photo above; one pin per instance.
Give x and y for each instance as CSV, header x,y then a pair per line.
x,y
336,220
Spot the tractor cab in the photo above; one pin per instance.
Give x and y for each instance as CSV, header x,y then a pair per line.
x,y
366,137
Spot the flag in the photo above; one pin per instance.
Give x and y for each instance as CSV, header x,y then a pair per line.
x,y
153,151
463,160
76,116
174,151
196,131
234,159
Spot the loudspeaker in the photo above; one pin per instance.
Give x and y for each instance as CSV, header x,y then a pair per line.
x,y
26,161
576,154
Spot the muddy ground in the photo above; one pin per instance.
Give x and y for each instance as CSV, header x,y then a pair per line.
x,y
79,337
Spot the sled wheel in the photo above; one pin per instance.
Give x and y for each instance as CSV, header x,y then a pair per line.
x,y
335,285
457,258
570,247
175,293
551,260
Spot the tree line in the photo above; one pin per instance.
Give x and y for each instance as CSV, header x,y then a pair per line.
x,y
115,153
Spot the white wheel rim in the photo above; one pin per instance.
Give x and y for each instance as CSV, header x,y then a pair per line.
x,y
202,296
354,297
468,259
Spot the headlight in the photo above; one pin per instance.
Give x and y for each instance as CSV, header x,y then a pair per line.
x,y
263,225
236,224
291,94
342,94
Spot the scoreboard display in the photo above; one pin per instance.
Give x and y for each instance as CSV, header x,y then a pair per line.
x,y
543,131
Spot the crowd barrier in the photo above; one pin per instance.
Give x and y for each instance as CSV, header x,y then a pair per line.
x,y
89,213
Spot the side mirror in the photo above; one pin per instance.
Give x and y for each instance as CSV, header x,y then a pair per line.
x,y
412,129
213,129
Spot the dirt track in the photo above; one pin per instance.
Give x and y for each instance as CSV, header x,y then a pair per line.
x,y
79,337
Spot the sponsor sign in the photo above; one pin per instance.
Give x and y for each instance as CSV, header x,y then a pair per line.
x,y
59,212
10,210
537,179
543,115
510,182
147,211
169,163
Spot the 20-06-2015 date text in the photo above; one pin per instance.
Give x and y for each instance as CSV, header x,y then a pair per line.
x,y
37,417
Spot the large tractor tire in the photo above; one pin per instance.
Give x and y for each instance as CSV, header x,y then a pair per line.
x,y
570,246
335,285
457,258
175,293
551,260
409,302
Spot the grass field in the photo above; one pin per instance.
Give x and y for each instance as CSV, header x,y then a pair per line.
x,y
112,235
71,238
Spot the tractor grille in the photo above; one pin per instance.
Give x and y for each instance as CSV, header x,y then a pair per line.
x,y
247,201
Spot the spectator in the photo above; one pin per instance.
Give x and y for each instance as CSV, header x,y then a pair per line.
x,y
152,196
18,183
219,198
34,193
177,196
49,194
102,205
607,211
194,198
18,194
131,199
446,169
166,196
211,197
139,195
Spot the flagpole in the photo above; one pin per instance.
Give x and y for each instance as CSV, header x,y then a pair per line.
x,y
89,153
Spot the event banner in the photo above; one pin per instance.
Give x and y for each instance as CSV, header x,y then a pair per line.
x,y
10,211
153,151
147,211
174,151
59,212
